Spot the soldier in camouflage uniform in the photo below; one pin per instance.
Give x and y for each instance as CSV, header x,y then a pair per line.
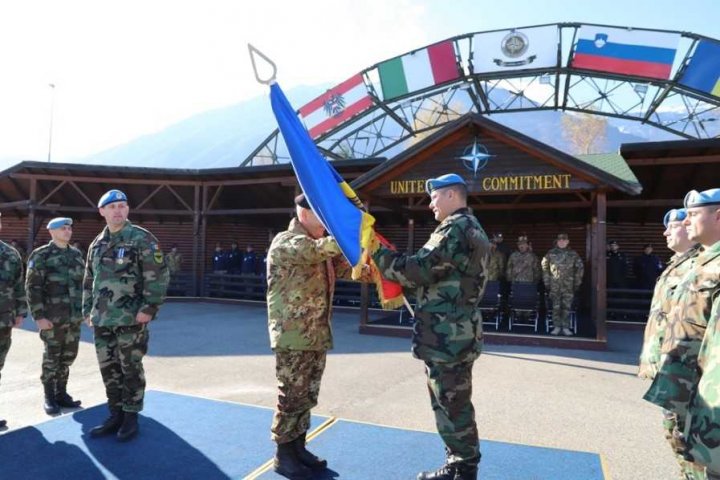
x,y
562,271
302,265
662,304
125,284
12,299
523,265
174,260
54,294
675,383
495,264
447,276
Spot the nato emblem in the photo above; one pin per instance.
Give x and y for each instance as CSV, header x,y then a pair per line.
x,y
514,45
475,157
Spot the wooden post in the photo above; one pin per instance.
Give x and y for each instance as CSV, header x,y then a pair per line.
x,y
31,216
411,237
203,238
598,272
196,242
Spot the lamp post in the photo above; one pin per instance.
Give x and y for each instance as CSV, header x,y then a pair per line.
x,y
52,111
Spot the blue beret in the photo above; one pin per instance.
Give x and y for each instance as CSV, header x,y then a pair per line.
x,y
112,196
674,215
443,181
701,199
58,222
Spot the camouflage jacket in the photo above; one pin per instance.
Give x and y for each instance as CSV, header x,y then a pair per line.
x,y
301,282
523,267
661,304
562,269
174,262
54,283
12,290
125,274
448,275
495,266
686,325
703,425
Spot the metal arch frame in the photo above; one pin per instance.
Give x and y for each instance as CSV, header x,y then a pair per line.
x,y
385,127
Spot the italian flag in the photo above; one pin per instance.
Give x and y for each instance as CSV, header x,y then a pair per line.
x,y
336,106
421,69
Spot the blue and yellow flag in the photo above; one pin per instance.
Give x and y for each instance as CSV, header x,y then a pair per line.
x,y
331,198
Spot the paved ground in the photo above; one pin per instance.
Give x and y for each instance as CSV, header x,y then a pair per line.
x,y
569,399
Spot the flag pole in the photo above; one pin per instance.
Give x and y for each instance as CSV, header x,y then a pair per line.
x,y
255,52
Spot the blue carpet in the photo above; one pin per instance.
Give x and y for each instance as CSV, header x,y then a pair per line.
x,y
181,437
361,451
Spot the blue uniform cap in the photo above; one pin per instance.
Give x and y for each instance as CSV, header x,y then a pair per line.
x,y
58,222
112,196
443,181
701,199
674,215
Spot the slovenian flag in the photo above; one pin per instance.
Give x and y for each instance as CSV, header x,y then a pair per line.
x,y
642,53
421,69
703,71
331,198
335,106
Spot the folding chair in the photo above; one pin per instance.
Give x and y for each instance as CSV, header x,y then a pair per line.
x,y
523,305
573,314
491,304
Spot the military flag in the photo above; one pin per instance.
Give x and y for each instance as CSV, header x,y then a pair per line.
x,y
703,71
516,49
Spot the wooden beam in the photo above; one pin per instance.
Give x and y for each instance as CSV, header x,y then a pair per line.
x,y
196,241
251,211
214,199
52,192
147,198
248,181
31,216
82,194
180,199
598,272
108,180
17,204
656,202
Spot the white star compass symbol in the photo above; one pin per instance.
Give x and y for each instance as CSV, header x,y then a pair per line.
x,y
475,157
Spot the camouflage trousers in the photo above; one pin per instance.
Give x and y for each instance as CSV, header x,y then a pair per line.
x,y
61,349
299,374
673,433
450,387
561,306
120,351
5,342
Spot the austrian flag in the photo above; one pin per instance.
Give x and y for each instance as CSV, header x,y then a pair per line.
x,y
336,106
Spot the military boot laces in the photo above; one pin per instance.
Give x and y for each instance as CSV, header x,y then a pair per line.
x,y
64,400
110,426
287,463
308,458
129,428
50,405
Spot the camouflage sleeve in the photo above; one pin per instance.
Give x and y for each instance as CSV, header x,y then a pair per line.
x,y
537,272
546,272
508,268
579,271
88,279
155,275
438,257
35,285
303,250
343,270
19,289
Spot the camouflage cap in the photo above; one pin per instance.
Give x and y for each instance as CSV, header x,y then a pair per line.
x,y
522,239
112,196
562,236
674,215
59,222
701,199
612,242
443,181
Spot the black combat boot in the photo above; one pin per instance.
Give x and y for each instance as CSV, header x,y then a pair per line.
x,y
63,399
287,463
3,423
50,405
451,472
110,426
129,427
307,458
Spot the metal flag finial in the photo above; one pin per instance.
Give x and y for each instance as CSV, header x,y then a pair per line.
x,y
253,52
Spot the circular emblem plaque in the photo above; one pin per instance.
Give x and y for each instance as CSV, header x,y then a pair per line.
x,y
515,44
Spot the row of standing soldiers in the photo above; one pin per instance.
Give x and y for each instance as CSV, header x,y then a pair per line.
x,y
234,261
561,271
